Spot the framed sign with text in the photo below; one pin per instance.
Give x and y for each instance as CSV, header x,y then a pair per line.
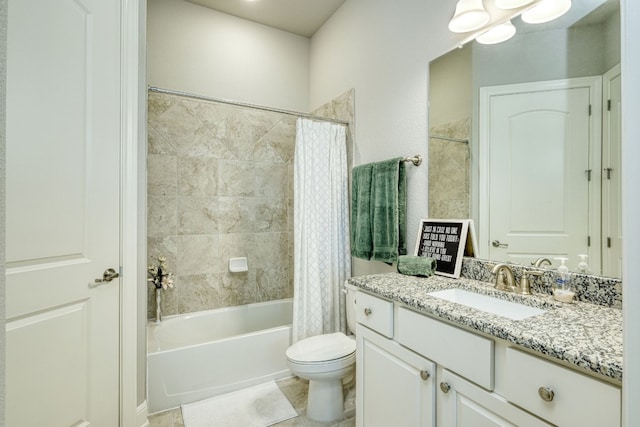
x,y
446,241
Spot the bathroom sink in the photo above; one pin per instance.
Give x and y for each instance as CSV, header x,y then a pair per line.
x,y
488,304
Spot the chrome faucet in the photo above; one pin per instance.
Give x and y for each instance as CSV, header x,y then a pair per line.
x,y
538,263
505,280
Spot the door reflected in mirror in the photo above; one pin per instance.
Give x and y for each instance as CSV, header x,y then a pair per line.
x,y
525,139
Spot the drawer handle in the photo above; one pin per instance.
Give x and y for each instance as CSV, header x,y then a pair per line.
x,y
367,311
546,394
424,375
445,387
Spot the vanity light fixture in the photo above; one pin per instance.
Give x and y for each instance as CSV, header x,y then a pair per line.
x,y
545,11
470,15
497,34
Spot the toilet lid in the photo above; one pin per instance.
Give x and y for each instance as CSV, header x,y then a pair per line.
x,y
322,348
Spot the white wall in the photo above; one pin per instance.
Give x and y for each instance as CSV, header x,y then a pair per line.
x,y
195,49
382,49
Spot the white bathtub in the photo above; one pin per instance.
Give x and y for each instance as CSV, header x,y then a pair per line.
x,y
200,355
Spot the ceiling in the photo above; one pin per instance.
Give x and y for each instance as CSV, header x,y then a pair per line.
x,y
302,17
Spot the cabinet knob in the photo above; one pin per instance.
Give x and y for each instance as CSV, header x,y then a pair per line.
x,y
546,394
424,375
367,311
445,387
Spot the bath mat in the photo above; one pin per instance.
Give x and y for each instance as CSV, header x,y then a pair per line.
x,y
259,406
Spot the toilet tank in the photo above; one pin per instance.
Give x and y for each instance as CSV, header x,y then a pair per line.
x,y
350,303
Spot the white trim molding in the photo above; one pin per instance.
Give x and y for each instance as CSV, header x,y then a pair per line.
x,y
142,415
132,41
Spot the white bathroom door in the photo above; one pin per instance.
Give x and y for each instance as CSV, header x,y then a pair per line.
x,y
539,139
63,213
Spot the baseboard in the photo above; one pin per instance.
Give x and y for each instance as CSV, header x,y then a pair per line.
x,y
141,415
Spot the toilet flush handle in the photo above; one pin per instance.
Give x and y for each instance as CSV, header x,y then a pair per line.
x,y
367,311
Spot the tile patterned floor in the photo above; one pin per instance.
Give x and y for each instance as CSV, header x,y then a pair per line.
x,y
294,389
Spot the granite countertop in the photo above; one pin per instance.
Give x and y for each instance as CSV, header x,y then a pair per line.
x,y
585,335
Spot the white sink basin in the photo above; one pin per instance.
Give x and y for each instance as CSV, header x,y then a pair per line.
x,y
488,304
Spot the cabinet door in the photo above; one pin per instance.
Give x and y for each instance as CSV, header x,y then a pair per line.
x,y
463,404
396,387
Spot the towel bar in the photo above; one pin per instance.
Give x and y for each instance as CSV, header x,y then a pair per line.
x,y
416,160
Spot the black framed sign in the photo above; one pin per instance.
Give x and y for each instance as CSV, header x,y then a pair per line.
x,y
446,241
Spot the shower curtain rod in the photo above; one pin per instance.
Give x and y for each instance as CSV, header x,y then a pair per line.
x,y
243,104
446,138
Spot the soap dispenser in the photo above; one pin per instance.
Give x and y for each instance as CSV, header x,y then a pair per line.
x,y
562,290
583,265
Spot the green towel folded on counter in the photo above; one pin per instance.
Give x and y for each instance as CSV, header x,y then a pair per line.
x,y
416,265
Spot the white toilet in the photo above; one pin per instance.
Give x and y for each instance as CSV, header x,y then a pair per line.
x,y
325,360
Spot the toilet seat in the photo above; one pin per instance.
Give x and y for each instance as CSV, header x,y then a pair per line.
x,y
322,349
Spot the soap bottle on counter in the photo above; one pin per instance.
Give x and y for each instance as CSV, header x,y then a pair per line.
x,y
583,265
562,291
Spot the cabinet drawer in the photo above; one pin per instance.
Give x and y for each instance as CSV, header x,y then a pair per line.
x,y
375,313
460,351
572,398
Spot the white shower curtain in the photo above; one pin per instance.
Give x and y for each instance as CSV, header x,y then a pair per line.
x,y
322,260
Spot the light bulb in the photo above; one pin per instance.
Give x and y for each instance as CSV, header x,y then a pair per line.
x,y
497,34
511,4
545,11
470,15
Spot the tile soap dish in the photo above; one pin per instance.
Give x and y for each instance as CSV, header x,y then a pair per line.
x,y
238,265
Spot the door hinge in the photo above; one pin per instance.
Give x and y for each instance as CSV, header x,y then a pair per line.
x,y
589,241
608,172
588,172
608,242
609,105
589,109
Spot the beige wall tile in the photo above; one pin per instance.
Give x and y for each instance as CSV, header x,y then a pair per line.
x,y
198,254
271,180
162,175
197,176
236,178
197,215
237,214
161,216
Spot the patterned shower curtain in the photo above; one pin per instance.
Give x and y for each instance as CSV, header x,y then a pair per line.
x,y
322,260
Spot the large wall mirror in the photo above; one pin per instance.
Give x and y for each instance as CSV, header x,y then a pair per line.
x,y
525,139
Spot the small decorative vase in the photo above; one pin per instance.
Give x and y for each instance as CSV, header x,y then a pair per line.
x,y
158,300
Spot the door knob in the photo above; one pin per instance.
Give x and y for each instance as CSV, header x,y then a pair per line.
x,y
497,244
108,275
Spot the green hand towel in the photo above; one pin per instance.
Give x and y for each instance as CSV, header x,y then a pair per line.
x,y
389,199
361,219
416,265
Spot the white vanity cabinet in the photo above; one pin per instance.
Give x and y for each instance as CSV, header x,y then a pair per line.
x,y
463,404
395,386
416,370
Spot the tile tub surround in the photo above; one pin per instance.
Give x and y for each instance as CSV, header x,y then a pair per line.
x,y
449,170
220,185
586,336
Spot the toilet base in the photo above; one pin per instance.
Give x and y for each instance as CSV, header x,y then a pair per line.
x,y
325,402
